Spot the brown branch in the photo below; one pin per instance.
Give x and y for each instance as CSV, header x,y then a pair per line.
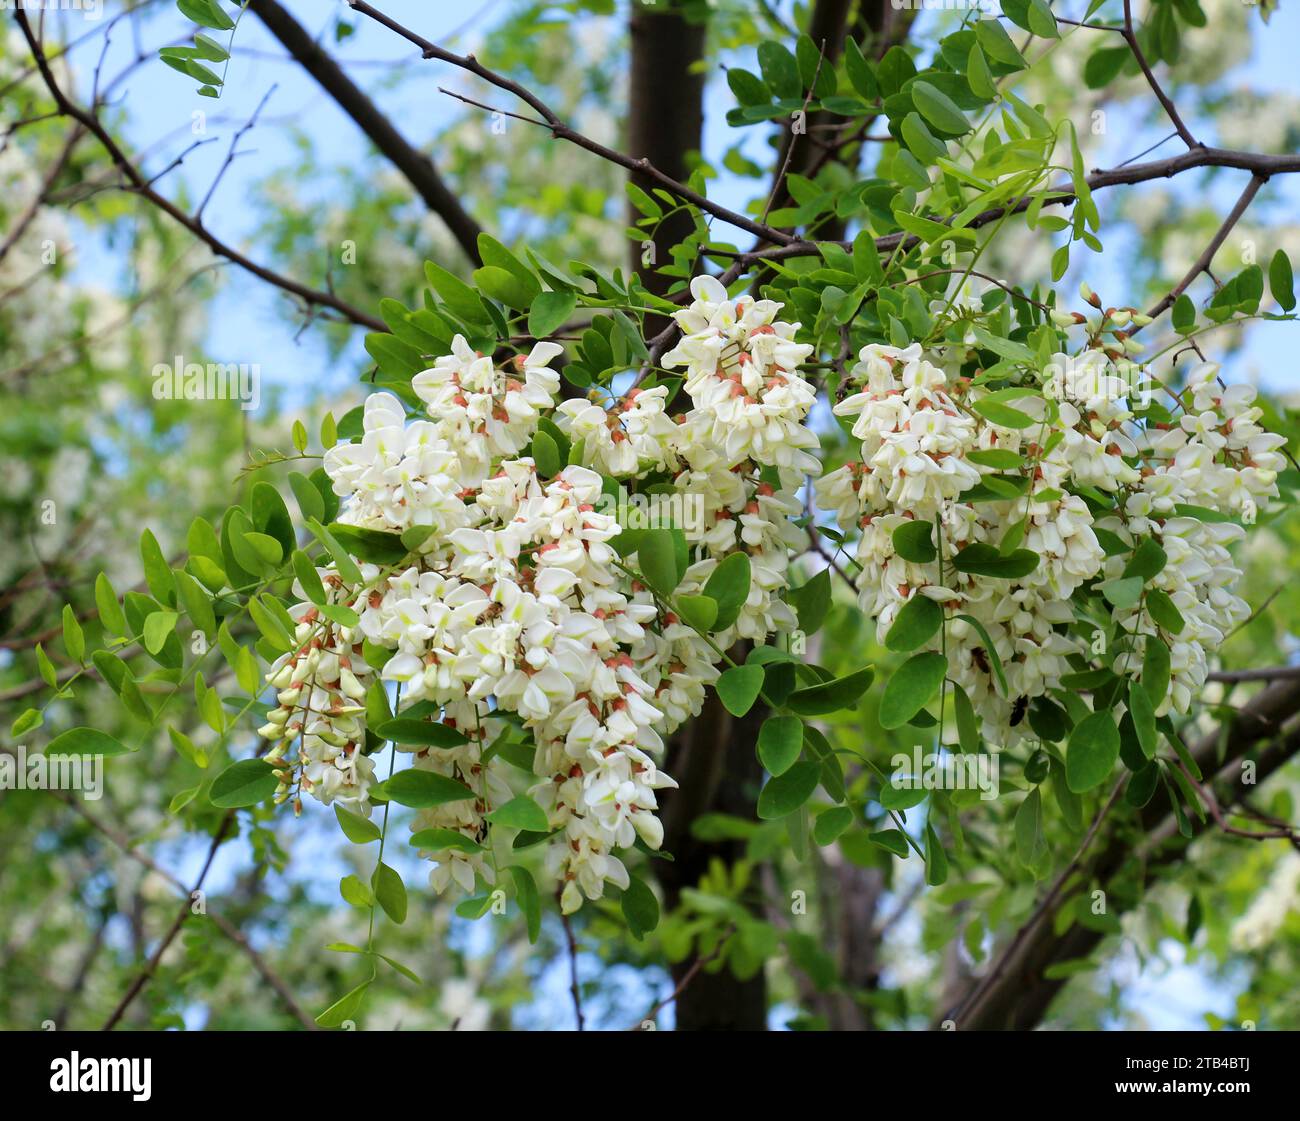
x,y
665,123
1130,36
220,921
418,168
999,967
1022,994
561,131
687,977
1203,261
140,185
1269,673
29,215
572,944
145,974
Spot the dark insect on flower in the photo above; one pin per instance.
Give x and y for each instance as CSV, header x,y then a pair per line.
x,y
1018,710
981,659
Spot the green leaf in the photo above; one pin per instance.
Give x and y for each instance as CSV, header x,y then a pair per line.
x,y
738,688
919,621
786,792
504,286
829,825
546,455
344,1009
420,789
728,586
978,74
529,901
185,747
911,687
831,696
521,813
422,733
1122,593
460,298
370,545
86,741
939,109
1144,719
158,628
996,43
549,312
1155,670
998,458
354,891
1004,416
968,729
981,559
860,71
1148,560
780,70
1281,281
936,860
657,555
110,611
1164,611
439,839
390,892
640,907
1103,66
245,783
206,13
812,601
74,639
698,612
270,515
749,90
913,542
1183,315
891,840
1041,20
357,829
197,602
156,571
307,496
1028,828
779,742
209,49
29,720
1091,752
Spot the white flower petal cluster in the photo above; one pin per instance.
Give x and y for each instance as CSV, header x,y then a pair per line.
x,y
1216,458
924,445
318,724
515,615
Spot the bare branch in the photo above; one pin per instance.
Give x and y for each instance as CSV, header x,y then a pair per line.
x,y
140,185
561,131
1130,37
417,167
1203,261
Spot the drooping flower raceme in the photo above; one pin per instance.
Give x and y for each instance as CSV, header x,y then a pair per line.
x,y
1001,474
513,622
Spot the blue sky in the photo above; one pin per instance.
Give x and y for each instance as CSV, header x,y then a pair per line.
x,y
160,102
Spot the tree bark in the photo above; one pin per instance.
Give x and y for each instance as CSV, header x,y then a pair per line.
x,y
1021,996
665,121
713,759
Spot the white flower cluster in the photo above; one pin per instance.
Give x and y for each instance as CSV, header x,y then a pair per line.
x,y
519,613
925,444
319,721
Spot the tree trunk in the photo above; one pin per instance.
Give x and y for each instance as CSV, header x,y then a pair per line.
x,y
665,122
713,759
